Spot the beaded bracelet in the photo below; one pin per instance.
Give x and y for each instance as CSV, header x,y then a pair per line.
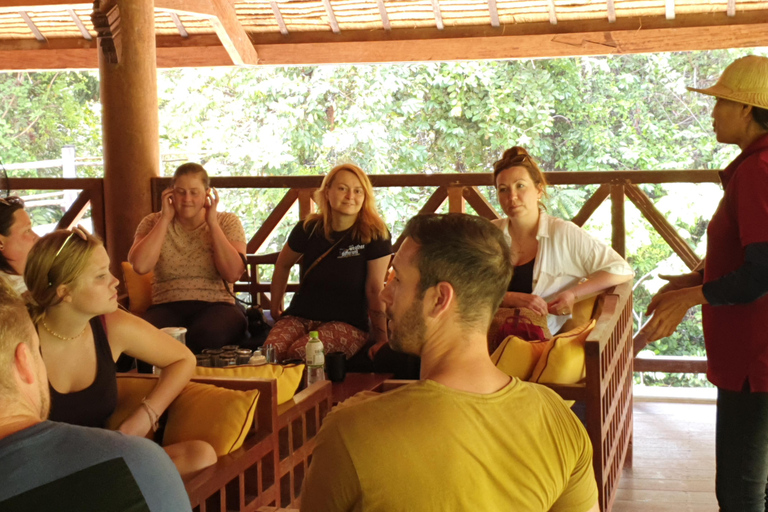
x,y
154,418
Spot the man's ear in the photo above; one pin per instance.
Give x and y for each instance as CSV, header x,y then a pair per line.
x,y
24,363
439,299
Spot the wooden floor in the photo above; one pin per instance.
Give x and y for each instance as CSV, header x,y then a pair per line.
x,y
674,460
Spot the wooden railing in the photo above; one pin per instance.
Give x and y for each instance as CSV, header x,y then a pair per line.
x,y
459,190
92,193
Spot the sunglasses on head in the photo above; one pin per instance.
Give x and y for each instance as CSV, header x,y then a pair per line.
x,y
520,159
11,201
77,230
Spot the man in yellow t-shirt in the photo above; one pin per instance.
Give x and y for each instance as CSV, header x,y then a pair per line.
x,y
466,436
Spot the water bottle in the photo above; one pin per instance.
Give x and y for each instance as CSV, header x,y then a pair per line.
x,y
315,359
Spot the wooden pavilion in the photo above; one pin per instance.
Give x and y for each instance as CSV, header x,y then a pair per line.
x,y
127,40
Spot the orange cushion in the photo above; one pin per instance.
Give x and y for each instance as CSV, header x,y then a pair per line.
x,y
139,289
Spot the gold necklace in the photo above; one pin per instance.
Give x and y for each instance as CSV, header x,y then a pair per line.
x,y
65,338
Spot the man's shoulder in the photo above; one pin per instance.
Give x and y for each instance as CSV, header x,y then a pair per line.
x,y
103,441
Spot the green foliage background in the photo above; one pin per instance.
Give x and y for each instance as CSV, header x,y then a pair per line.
x,y
574,114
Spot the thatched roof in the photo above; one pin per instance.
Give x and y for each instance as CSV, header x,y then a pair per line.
x,y
57,34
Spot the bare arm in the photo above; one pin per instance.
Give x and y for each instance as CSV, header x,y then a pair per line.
x,y
131,335
597,282
145,250
374,284
226,253
287,258
525,300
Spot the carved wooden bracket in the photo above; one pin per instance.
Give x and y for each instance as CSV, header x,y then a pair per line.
x,y
107,26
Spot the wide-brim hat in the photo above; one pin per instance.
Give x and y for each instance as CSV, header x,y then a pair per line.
x,y
744,81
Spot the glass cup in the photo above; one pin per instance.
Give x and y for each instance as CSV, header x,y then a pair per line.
x,y
179,333
269,354
230,348
204,360
228,359
215,354
244,355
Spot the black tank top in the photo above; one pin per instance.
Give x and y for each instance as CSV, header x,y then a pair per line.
x,y
522,279
91,406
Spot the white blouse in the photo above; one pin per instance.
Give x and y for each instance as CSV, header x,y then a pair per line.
x,y
566,255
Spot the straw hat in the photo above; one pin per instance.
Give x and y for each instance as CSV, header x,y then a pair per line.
x,y
744,81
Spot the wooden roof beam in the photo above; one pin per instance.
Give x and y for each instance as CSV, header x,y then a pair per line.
x,y
80,25
232,34
279,17
438,14
552,12
224,20
385,17
670,9
541,40
179,25
494,12
32,27
42,5
731,9
331,17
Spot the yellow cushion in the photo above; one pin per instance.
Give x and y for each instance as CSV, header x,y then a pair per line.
x,y
219,416
139,289
563,361
517,357
288,377
130,392
581,314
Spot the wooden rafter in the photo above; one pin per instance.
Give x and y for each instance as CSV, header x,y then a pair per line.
x,y
670,9
529,40
731,9
79,23
438,14
611,11
179,25
494,12
32,27
384,16
232,34
279,17
191,7
331,17
41,5
552,12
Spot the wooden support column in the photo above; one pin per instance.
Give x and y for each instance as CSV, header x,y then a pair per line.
x,y
129,124
306,205
456,199
619,233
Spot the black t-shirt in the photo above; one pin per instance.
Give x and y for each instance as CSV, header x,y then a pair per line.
x,y
335,289
522,279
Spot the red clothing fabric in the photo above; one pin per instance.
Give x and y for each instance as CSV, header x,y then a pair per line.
x,y
736,337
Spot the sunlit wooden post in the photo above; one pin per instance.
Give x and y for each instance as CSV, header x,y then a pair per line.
x,y
456,199
618,235
128,81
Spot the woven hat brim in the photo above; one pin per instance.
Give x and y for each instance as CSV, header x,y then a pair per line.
x,y
759,100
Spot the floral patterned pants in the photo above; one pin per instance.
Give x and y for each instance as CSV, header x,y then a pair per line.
x,y
290,335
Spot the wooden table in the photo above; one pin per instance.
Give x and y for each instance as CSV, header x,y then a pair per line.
x,y
356,382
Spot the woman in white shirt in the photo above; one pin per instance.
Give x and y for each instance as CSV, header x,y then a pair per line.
x,y
556,262
16,239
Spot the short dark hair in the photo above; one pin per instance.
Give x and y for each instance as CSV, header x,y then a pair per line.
x,y
8,207
760,115
468,252
191,168
15,328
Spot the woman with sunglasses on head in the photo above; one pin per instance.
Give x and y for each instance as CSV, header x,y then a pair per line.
x,y
194,252
82,333
556,262
16,239
346,248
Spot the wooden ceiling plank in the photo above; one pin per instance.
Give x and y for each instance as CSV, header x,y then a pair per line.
x,y
670,9
191,7
438,14
494,12
611,11
731,9
552,12
41,5
232,34
331,17
179,25
32,27
279,17
384,16
79,23
685,33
